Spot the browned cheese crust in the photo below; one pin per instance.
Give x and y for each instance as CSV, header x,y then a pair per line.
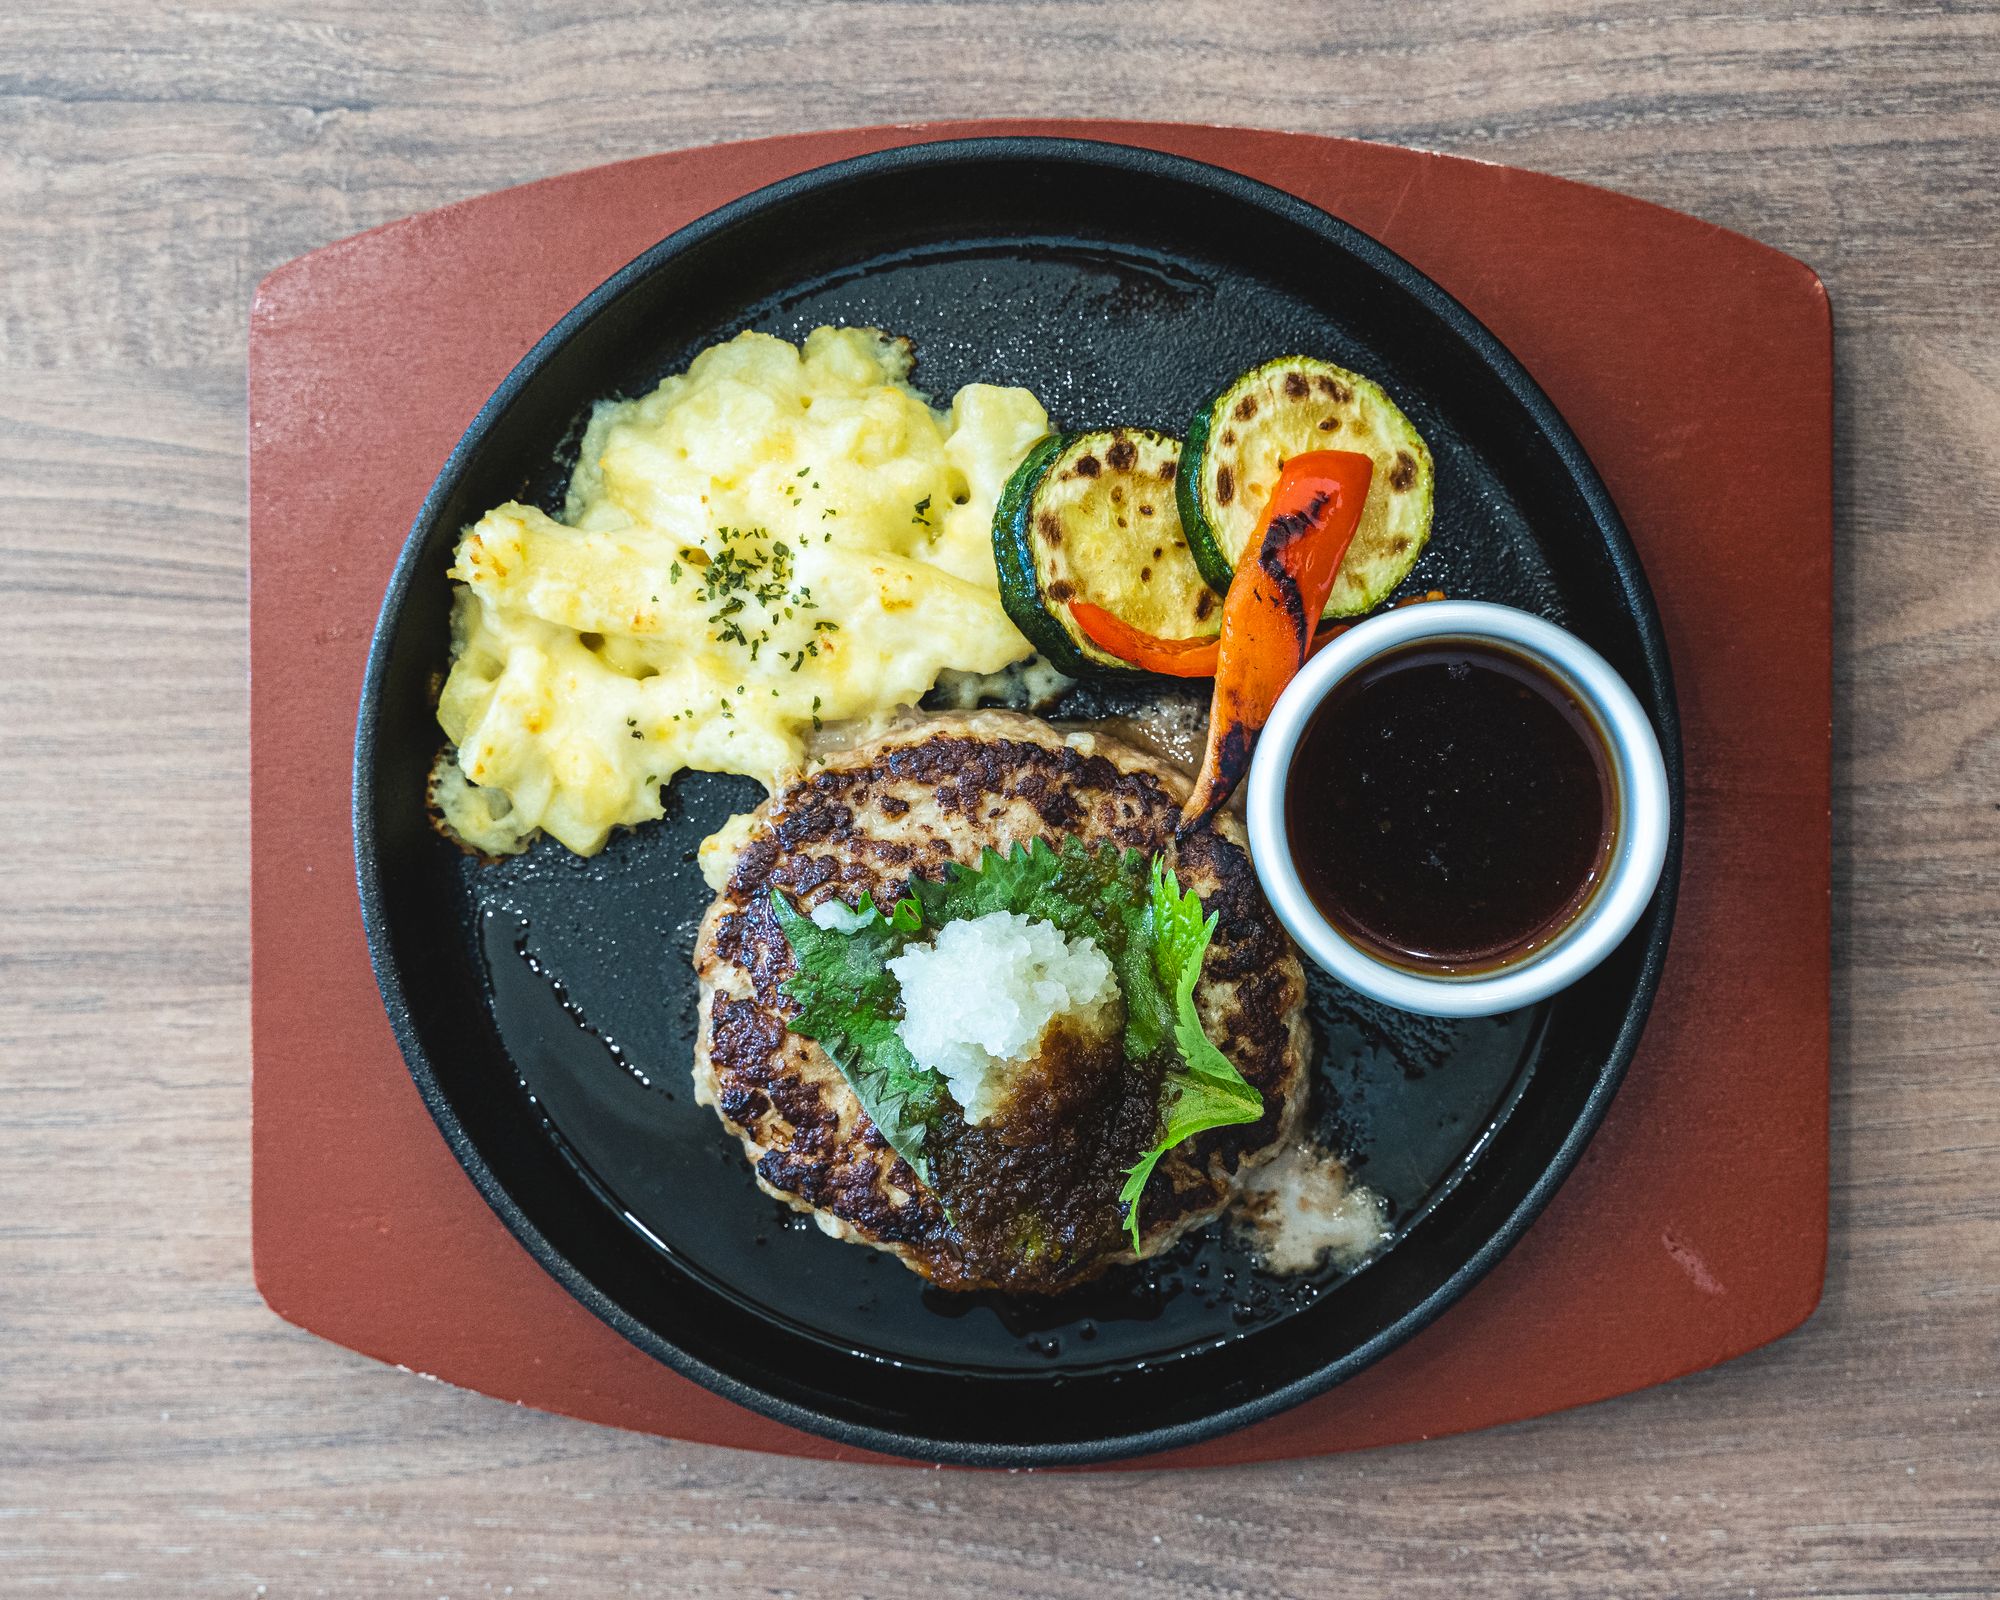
x,y
905,805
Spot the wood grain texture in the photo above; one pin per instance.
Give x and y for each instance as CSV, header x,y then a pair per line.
x,y
163,1434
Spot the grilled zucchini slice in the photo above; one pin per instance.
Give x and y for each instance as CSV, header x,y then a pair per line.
x,y
1239,440
1092,516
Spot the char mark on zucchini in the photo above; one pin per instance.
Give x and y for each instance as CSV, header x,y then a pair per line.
x,y
1240,440
1082,520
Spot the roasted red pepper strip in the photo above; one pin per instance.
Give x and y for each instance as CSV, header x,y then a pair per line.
x,y
1189,658
1175,658
1273,607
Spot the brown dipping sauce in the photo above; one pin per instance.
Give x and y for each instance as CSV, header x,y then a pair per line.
x,y
1450,806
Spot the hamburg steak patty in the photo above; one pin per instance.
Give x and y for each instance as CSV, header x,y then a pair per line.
x,y
907,805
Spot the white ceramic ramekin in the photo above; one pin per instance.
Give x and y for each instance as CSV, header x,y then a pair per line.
x,y
1639,846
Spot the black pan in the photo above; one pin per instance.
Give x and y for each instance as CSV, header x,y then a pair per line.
x,y
545,1004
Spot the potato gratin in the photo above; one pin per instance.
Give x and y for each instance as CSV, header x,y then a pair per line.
x,y
776,538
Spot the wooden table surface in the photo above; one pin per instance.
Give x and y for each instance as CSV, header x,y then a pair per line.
x,y
161,1433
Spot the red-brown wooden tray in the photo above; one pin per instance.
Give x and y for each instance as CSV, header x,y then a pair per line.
x,y
1696,367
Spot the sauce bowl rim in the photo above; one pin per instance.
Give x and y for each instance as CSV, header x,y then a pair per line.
x,y
1642,827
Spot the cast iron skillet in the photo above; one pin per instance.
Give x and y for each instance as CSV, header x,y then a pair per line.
x,y
545,1004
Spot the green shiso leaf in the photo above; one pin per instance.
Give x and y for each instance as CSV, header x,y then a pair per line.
x,y
1151,930
1205,1090
847,999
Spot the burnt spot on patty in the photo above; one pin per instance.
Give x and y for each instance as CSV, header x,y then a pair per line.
x,y
1033,1197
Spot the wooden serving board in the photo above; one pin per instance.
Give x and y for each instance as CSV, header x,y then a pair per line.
x,y
1696,367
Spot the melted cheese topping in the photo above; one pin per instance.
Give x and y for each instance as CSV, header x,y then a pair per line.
x,y
777,538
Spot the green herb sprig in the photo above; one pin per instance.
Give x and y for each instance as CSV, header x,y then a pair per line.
x,y
848,1000
1206,1091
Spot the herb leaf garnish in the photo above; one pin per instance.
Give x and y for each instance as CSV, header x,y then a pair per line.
x,y
1205,1091
848,1000
1150,929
